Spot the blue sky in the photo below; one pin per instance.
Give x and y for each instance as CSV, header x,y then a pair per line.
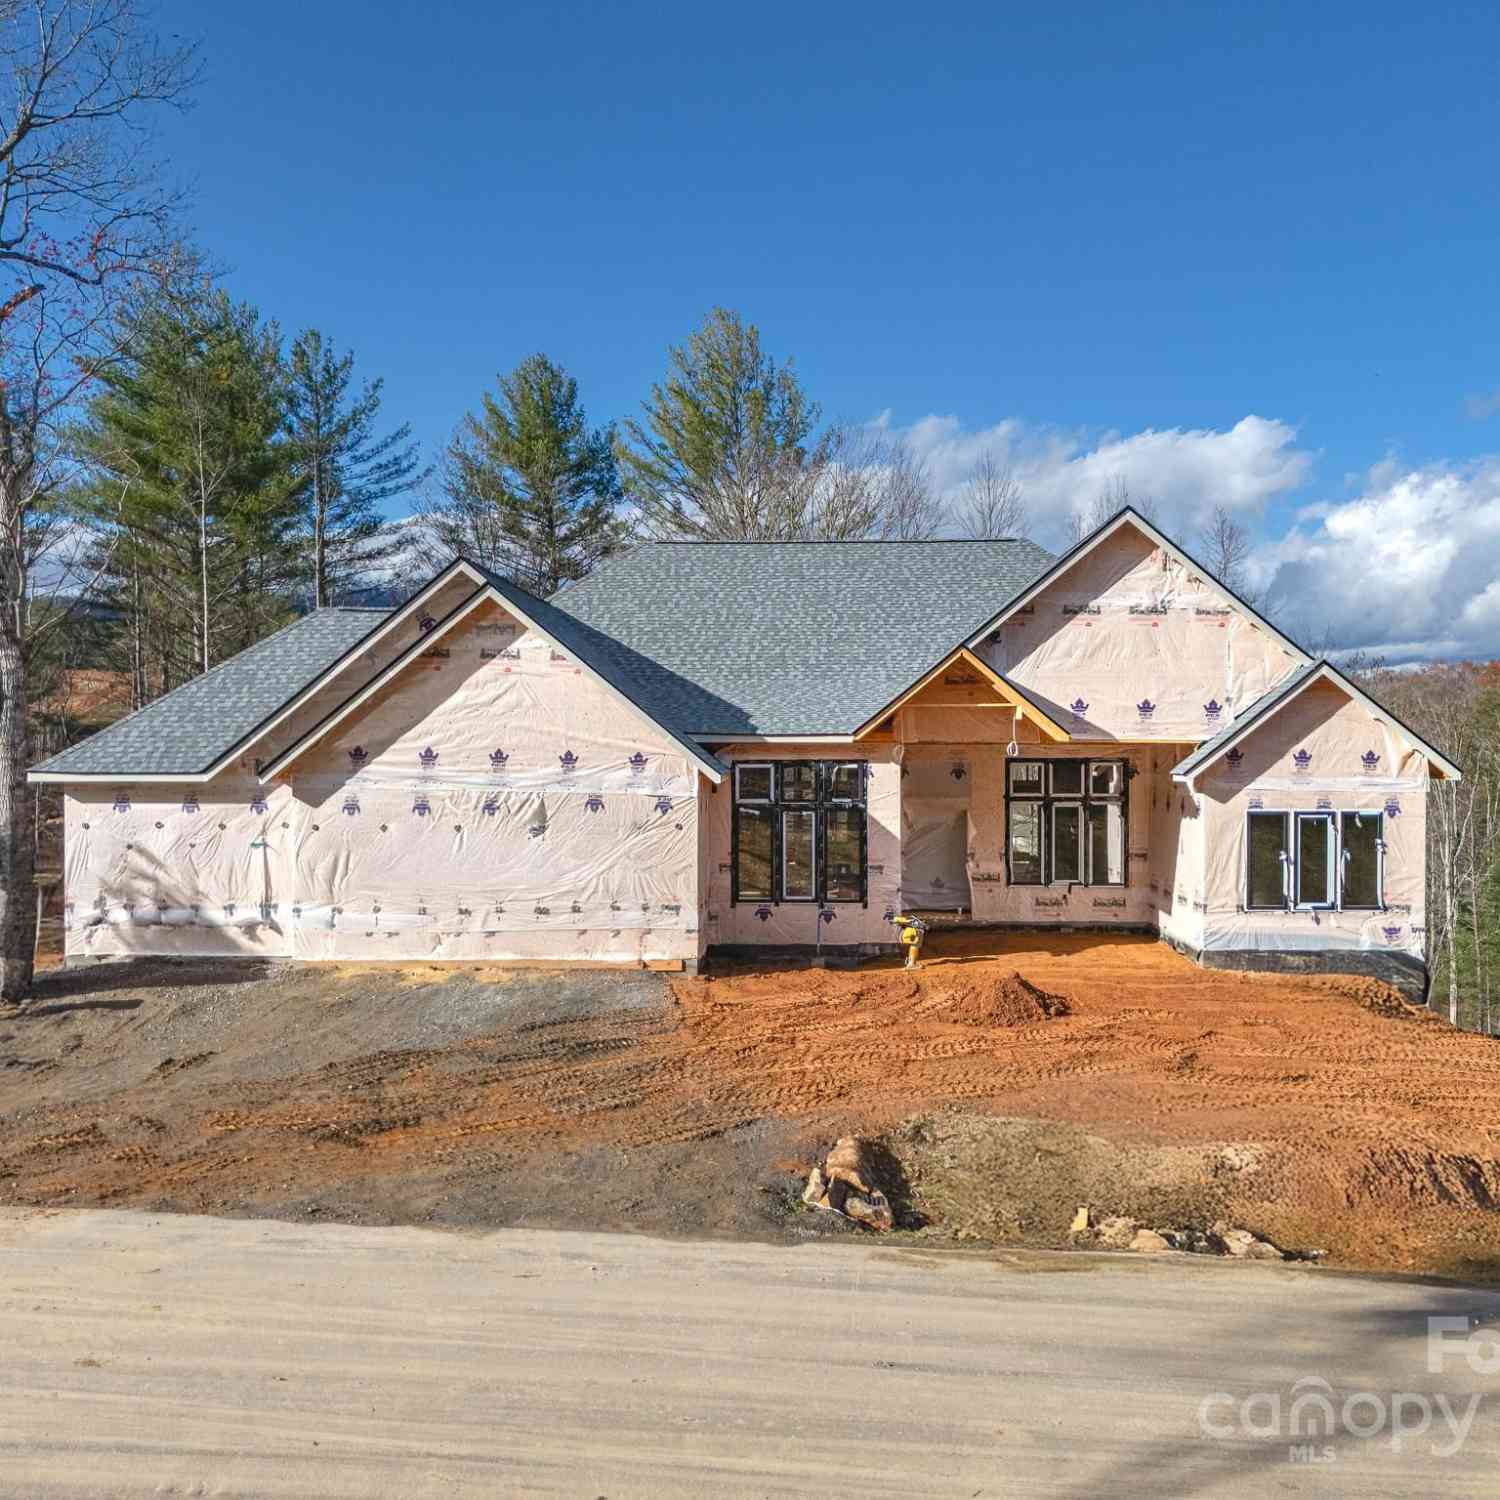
x,y
1102,239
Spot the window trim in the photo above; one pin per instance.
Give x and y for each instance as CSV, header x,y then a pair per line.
x,y
768,811
1083,800
1285,904
1068,804
1040,803
1089,804
755,765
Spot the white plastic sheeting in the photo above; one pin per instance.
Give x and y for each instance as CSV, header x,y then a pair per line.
x,y
935,830
202,873
1129,644
496,801
493,801
1322,752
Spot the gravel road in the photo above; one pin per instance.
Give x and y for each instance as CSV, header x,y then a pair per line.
x,y
149,1355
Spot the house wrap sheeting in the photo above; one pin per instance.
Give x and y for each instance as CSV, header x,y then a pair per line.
x,y
1320,752
493,801
1130,644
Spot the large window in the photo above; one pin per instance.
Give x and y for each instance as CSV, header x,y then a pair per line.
x,y
800,831
1315,861
1065,821
1269,861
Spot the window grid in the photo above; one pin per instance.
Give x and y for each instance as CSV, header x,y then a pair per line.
x,y
1302,885
1035,790
805,841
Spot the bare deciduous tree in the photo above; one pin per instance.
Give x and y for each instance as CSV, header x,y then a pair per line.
x,y
83,218
1225,548
870,486
1112,499
990,505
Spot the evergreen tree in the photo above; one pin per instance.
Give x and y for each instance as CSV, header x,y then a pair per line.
x,y
527,487
192,487
344,471
728,448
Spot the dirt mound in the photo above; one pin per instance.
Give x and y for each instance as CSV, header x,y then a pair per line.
x,y
998,1000
1377,996
983,1177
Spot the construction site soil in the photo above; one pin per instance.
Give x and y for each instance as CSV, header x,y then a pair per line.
x,y
1010,1080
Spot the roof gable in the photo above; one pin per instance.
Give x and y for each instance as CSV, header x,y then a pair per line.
x,y
534,614
1266,706
1003,690
1129,516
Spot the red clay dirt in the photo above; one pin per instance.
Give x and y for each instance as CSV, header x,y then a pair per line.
x,y
1322,1113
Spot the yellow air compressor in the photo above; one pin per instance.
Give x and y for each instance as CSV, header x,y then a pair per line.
x,y
910,931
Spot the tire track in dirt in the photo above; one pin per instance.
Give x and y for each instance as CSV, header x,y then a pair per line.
x,y
1363,1100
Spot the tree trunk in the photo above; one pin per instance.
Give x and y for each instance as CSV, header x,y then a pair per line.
x,y
203,576
17,849
320,537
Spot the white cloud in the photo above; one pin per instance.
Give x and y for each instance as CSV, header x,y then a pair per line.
x,y
1186,471
1409,569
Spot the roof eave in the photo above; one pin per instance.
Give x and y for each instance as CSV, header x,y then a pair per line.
x,y
1188,770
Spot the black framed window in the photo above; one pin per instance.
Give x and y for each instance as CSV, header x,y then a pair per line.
x,y
800,831
1065,820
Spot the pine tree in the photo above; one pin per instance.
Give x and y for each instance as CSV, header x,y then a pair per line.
x,y
527,487
344,471
192,488
728,448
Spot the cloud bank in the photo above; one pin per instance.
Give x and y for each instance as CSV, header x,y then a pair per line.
x,y
1186,471
1410,569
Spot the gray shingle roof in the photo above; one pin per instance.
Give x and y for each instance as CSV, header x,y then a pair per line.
x,y
716,639
187,730
711,639
1258,709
